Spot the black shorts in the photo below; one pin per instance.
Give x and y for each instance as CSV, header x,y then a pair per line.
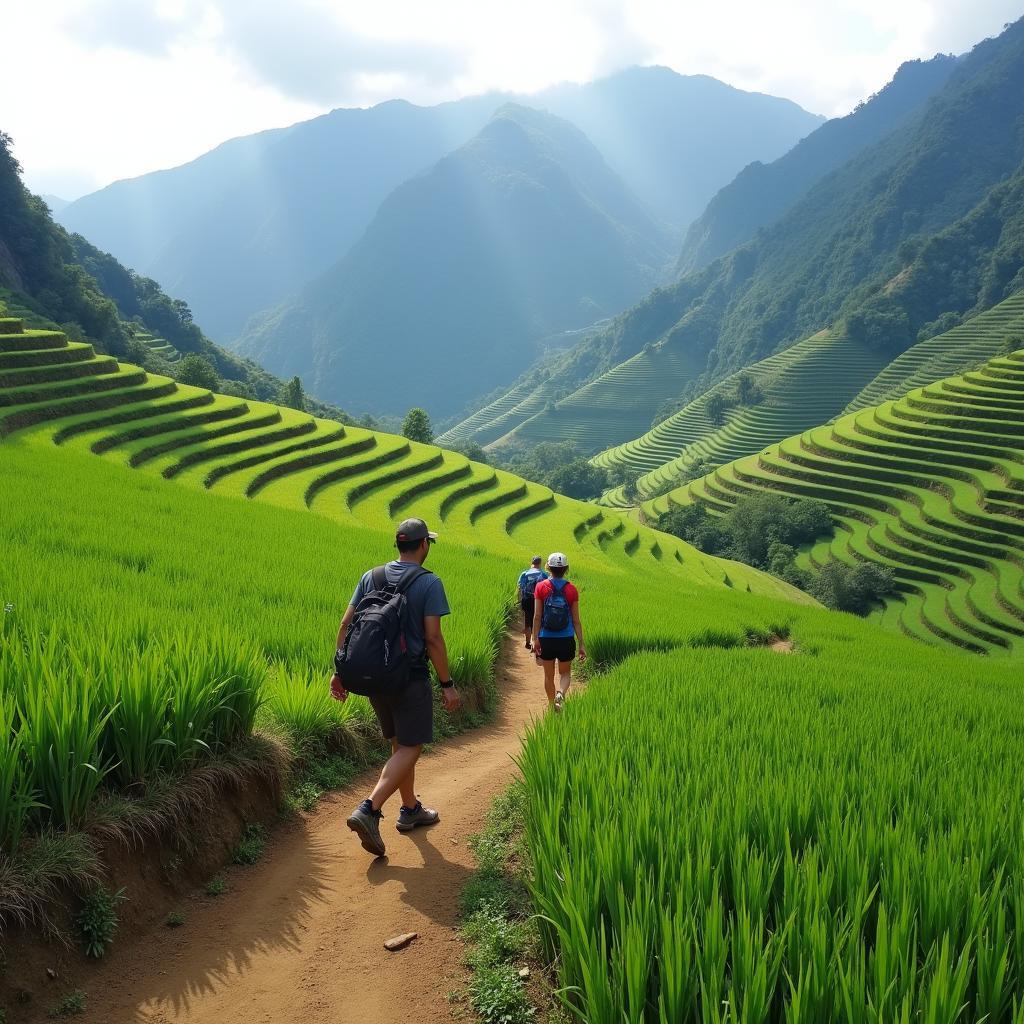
x,y
407,716
557,648
527,604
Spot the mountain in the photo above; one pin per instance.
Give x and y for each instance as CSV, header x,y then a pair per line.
x,y
677,139
55,203
246,224
521,233
240,228
836,249
761,193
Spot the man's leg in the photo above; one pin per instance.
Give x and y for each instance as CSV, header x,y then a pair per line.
x,y
398,772
407,787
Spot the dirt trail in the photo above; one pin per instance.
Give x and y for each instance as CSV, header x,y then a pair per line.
x,y
300,936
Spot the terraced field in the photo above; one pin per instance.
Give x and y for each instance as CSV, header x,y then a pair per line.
x,y
803,386
159,346
54,389
931,485
615,406
982,337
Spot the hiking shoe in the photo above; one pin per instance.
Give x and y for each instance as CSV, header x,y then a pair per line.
x,y
559,700
365,822
419,815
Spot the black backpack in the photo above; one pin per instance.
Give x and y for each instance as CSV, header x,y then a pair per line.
x,y
556,615
375,659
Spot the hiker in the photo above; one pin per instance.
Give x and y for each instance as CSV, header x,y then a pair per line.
x,y
556,624
528,580
390,628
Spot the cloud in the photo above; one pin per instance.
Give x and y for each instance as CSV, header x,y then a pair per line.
x,y
144,28
305,52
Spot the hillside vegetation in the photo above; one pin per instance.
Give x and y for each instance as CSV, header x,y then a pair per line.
x,y
930,486
924,223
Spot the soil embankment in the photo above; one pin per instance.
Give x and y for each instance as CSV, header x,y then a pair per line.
x,y
300,936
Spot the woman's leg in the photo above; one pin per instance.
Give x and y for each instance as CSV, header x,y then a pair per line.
x,y
564,676
549,681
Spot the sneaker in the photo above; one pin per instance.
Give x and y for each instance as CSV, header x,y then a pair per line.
x,y
365,822
418,815
559,700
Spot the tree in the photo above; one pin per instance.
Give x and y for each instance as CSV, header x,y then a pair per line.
x,y
748,390
199,372
292,395
578,479
417,426
715,408
850,588
472,450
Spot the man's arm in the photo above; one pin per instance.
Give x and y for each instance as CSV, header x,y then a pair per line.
x,y
438,654
338,692
538,608
578,628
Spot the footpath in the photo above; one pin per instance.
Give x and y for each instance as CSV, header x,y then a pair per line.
x,y
301,938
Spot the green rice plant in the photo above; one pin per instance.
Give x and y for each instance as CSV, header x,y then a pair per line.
x,y
304,708
19,798
829,836
62,724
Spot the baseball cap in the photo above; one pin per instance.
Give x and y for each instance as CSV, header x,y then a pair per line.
x,y
413,529
556,560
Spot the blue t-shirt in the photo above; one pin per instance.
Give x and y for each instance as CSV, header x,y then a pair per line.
x,y
529,578
425,597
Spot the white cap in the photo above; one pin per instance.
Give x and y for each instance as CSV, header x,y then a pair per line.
x,y
556,560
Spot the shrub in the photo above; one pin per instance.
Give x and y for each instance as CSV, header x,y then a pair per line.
x,y
97,920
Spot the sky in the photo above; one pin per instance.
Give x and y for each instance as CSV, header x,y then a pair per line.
x,y
97,90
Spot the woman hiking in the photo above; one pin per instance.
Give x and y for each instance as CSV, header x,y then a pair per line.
x,y
557,627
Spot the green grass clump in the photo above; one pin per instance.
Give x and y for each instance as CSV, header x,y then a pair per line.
x,y
97,920
70,1005
216,886
826,836
175,919
251,846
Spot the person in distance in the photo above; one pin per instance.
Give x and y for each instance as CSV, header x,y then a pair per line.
x,y
389,630
556,624
528,580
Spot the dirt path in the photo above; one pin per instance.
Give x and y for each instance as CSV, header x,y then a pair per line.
x,y
300,936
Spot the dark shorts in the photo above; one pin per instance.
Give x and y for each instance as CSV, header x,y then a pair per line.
x,y
557,648
407,716
527,606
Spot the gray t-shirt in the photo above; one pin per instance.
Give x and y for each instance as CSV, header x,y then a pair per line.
x,y
425,597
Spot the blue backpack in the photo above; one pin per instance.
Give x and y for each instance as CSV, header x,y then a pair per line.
x,y
557,615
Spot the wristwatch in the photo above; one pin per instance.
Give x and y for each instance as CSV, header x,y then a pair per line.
x,y
446,686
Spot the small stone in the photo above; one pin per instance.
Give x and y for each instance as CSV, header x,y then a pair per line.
x,y
397,942
52,974
524,972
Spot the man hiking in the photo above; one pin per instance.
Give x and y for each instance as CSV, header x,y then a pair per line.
x,y
528,580
390,628
556,623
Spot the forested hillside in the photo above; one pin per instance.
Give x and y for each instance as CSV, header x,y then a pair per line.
x,y
838,248
59,280
521,233
761,193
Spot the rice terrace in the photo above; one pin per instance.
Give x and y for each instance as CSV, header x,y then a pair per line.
x,y
645,400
